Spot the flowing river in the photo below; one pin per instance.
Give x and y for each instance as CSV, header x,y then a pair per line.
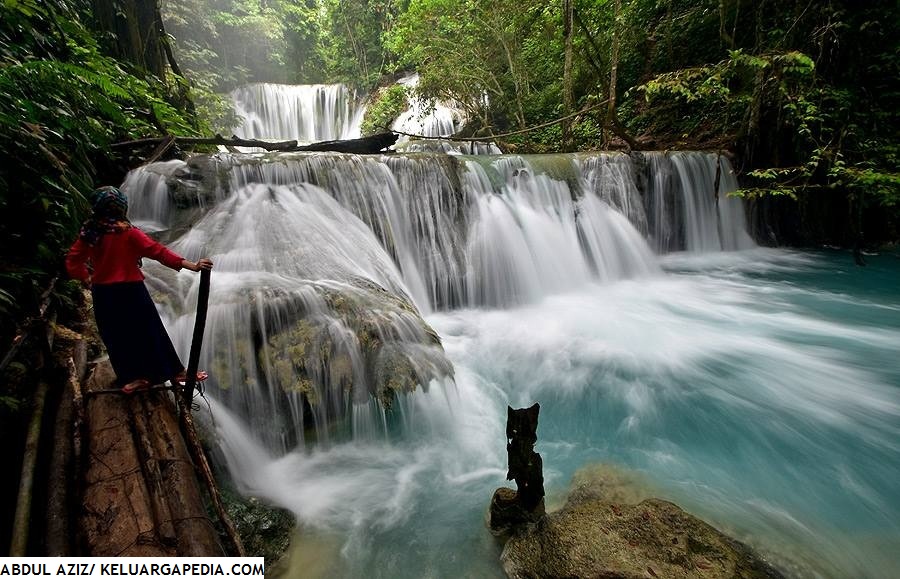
x,y
757,388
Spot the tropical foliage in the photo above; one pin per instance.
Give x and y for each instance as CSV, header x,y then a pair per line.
x,y
805,93
63,104
384,107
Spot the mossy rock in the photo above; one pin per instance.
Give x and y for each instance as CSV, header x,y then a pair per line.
x,y
594,536
366,343
265,531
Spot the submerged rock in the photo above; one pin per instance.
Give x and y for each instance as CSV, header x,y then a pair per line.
x,y
593,536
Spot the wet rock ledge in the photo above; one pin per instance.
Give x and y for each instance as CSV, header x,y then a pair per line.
x,y
592,536
608,527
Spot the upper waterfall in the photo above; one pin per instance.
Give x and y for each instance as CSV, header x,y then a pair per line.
x,y
307,113
432,120
435,120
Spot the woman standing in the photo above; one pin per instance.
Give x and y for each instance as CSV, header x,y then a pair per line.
x,y
106,258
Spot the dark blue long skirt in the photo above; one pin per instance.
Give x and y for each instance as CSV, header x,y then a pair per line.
x,y
135,337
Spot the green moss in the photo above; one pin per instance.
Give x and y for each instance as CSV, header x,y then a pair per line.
x,y
265,531
387,104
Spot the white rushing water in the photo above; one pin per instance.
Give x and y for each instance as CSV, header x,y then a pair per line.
x,y
729,391
325,261
437,119
752,388
306,113
434,119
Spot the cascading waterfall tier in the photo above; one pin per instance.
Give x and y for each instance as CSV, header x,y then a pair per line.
x,y
688,204
307,113
324,262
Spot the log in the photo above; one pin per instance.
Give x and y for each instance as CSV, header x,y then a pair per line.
x,y
60,479
22,518
169,471
361,146
141,495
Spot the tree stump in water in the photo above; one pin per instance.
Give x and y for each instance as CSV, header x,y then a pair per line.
x,y
511,508
141,496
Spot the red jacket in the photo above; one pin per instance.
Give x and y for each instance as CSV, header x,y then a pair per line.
x,y
115,257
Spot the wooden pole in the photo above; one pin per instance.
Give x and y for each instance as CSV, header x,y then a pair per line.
x,y
187,420
202,464
19,543
197,340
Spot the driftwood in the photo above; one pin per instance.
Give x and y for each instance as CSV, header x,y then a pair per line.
x,y
525,465
361,146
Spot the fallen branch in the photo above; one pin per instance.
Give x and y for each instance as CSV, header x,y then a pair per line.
x,y
363,145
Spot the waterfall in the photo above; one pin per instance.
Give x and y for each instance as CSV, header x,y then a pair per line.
x,y
434,119
150,202
325,263
740,389
686,211
307,113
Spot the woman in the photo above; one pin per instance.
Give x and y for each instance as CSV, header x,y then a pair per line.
x,y
106,258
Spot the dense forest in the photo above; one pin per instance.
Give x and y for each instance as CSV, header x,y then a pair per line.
x,y
804,92
803,95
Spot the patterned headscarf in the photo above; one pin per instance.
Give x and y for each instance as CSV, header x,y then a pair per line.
x,y
110,207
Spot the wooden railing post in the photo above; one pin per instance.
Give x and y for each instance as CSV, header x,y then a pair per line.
x,y
197,340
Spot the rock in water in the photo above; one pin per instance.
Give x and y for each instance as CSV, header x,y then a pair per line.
x,y
594,537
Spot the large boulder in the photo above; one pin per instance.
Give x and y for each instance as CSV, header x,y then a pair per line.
x,y
599,533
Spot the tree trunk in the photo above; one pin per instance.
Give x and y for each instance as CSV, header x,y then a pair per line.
x,y
141,496
133,32
568,94
613,67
